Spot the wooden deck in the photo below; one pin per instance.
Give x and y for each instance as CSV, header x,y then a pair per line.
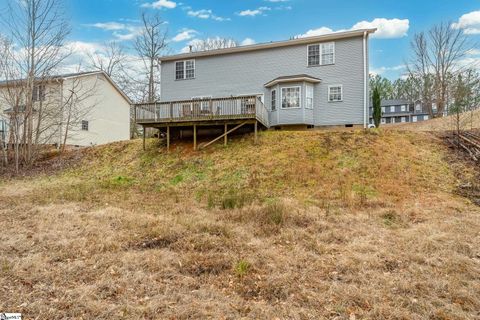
x,y
204,111
237,111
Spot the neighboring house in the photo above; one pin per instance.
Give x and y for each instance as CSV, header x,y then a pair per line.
x,y
88,108
401,111
313,81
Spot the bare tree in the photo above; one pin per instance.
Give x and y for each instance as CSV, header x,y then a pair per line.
x,y
110,60
149,46
436,58
212,44
38,30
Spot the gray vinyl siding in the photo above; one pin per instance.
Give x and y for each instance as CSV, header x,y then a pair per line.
x,y
247,72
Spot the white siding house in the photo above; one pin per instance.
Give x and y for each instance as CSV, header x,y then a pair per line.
x,y
99,111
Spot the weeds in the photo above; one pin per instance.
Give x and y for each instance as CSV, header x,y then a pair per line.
x,y
242,267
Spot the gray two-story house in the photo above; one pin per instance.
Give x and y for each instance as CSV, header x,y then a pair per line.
x,y
401,111
314,81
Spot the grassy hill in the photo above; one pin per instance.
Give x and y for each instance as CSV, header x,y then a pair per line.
x,y
304,225
468,121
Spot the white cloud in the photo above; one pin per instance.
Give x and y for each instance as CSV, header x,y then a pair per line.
x,y
108,25
316,32
469,22
386,28
160,4
185,34
121,31
247,42
382,70
473,52
206,14
255,12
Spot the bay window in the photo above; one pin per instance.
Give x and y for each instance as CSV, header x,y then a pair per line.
x,y
290,97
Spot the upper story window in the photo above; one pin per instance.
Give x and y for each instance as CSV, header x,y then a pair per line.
x,y
309,97
274,100
291,97
185,70
321,54
404,108
335,93
38,93
392,109
418,107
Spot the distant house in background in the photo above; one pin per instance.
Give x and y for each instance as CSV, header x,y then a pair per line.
x,y
95,108
401,111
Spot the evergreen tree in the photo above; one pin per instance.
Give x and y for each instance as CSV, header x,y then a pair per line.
x,y
377,109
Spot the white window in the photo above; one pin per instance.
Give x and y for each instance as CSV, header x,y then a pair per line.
x,y
403,119
434,107
185,70
392,109
383,121
404,108
309,97
414,119
383,109
425,117
335,93
392,120
291,97
321,54
274,100
84,125
418,107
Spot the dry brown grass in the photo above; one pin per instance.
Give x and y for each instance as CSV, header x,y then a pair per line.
x,y
306,225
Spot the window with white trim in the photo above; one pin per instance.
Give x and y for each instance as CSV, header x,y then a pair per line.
x,y
38,93
403,119
274,100
290,97
383,109
335,93
418,107
185,70
309,97
321,54
403,108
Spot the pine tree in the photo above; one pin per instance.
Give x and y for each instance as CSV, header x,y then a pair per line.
x,y
377,109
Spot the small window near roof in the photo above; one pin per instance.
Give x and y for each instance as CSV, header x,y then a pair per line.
x,y
335,93
185,70
274,100
84,125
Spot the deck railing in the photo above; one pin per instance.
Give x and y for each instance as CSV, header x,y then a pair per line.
x,y
246,107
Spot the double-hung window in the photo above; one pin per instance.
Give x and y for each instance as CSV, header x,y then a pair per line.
x,y
392,109
309,97
291,97
185,70
274,100
84,125
321,54
335,93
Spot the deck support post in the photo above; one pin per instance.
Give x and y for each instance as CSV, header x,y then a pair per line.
x,y
144,138
195,137
225,141
256,129
168,138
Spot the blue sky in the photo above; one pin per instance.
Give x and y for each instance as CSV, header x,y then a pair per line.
x,y
248,21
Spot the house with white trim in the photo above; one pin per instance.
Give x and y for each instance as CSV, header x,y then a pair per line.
x,y
80,109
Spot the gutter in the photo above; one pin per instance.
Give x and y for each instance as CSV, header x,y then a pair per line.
x,y
365,79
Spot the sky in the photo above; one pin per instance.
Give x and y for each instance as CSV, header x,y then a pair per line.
x,y
95,22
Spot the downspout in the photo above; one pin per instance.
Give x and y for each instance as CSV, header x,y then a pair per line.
x,y
365,79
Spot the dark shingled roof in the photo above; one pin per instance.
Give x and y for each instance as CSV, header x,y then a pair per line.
x,y
395,102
